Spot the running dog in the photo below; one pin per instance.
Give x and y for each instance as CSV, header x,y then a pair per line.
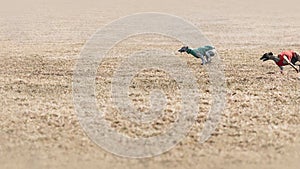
x,y
205,53
283,59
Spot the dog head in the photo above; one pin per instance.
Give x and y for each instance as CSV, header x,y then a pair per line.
x,y
266,56
183,49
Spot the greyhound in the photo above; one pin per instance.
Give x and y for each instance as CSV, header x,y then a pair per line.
x,y
283,59
205,53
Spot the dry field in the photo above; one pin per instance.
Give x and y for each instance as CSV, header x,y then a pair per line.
x,y
41,41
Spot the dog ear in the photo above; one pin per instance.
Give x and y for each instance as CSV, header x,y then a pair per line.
x,y
271,53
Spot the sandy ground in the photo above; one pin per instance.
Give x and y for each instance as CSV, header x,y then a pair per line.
x,y
41,42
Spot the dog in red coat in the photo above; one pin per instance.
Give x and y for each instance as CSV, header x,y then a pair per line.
x,y
283,59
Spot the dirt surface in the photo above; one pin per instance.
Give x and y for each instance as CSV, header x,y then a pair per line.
x,y
41,42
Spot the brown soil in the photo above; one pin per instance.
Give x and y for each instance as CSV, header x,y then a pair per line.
x,y
41,42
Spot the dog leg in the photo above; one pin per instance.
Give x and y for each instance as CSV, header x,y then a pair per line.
x,y
299,72
208,59
209,54
290,63
203,59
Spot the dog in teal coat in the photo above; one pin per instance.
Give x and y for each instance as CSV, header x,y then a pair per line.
x,y
205,53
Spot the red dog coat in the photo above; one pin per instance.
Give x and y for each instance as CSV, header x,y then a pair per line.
x,y
288,54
